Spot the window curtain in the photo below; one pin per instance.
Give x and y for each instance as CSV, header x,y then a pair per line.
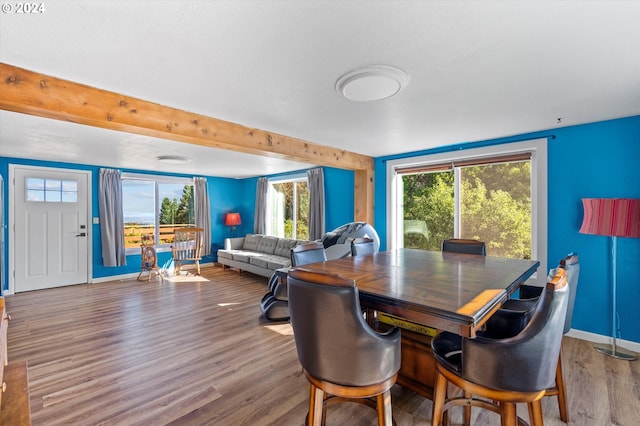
x,y
315,177
111,218
203,212
260,214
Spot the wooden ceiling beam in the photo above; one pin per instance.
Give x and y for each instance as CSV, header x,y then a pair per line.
x,y
32,93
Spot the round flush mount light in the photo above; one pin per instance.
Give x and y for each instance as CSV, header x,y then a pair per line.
x,y
172,159
372,83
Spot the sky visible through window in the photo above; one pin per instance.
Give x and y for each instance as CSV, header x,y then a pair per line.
x,y
138,198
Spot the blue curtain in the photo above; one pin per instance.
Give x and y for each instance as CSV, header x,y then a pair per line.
x,y
203,212
111,218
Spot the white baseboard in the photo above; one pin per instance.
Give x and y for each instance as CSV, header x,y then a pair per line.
x,y
122,277
599,338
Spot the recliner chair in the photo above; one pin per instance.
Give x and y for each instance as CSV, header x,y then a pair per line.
x,y
275,304
337,243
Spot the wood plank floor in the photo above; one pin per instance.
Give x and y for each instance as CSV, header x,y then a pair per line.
x,y
195,351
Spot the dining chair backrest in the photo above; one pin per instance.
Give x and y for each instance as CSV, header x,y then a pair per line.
x,y
304,254
362,246
333,340
572,266
463,245
533,352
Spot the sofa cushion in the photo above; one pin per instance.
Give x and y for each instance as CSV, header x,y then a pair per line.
x,y
278,262
245,256
284,246
260,261
251,242
227,254
270,261
267,244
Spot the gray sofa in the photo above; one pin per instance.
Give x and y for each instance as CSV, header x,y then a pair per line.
x,y
258,254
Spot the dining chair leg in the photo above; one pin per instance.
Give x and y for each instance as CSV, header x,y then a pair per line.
x,y
508,415
535,413
383,402
467,411
324,408
562,397
439,393
316,404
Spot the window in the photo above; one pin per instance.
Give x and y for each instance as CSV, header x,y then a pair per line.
x,y
155,206
51,190
495,194
288,212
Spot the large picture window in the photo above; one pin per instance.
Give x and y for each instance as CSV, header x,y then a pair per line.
x,y
155,206
496,195
288,212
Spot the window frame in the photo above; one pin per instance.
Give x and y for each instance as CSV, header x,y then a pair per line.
x,y
156,179
294,178
538,150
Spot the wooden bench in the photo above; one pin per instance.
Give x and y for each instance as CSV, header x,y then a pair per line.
x,y
14,395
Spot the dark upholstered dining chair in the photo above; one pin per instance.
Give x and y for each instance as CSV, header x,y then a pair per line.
x,y
362,246
304,254
515,314
342,357
496,374
463,245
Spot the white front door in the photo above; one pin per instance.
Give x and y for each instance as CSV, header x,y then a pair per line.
x,y
51,229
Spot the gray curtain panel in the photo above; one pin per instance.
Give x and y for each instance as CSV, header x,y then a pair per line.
x,y
203,212
260,214
315,178
111,218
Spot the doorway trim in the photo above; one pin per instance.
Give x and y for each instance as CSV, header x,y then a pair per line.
x,y
11,217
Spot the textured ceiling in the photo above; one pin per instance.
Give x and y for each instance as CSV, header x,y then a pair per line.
x,y
478,70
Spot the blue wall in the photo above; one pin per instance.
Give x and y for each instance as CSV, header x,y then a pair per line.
x,y
339,193
591,160
225,195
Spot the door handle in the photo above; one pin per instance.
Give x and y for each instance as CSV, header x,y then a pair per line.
x,y
82,234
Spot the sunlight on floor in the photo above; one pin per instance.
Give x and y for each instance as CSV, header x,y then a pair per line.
x,y
284,329
186,279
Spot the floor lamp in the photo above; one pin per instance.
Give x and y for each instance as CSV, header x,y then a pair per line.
x,y
613,217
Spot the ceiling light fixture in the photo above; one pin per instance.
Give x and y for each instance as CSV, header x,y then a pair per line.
x,y
372,83
172,159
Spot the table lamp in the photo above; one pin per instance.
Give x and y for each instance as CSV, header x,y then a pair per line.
x,y
232,220
613,217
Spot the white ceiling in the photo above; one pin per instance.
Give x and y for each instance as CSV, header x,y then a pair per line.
x,y
478,70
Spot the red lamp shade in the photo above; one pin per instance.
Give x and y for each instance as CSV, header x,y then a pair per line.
x,y
232,219
616,217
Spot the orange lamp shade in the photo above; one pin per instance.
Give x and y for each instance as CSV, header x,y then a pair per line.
x,y
232,219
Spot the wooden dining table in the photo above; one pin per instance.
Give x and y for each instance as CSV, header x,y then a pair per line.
x,y
425,292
